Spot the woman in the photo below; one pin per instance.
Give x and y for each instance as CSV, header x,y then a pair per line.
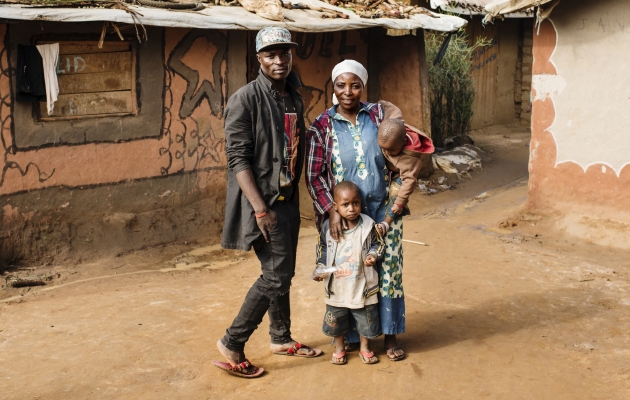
x,y
342,145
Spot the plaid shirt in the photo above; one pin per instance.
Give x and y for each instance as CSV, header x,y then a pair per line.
x,y
319,142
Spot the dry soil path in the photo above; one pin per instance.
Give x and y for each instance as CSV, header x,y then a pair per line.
x,y
491,313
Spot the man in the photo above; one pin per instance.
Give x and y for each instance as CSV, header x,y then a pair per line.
x,y
264,130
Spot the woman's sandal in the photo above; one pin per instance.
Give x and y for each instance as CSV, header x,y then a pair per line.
x,y
243,370
339,358
293,351
368,358
391,354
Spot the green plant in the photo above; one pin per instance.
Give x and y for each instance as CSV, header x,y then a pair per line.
x,y
451,84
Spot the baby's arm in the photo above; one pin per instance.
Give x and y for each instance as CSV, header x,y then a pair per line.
x,y
409,170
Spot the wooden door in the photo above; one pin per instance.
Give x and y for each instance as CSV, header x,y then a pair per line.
x,y
485,70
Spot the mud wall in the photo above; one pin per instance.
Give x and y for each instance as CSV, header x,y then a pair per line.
x,y
394,75
314,59
403,77
84,189
143,183
580,149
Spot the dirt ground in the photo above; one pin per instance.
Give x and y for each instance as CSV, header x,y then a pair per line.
x,y
500,305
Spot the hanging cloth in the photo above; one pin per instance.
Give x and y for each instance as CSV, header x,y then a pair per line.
x,y
50,56
30,75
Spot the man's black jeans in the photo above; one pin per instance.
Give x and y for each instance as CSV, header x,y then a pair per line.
x,y
270,292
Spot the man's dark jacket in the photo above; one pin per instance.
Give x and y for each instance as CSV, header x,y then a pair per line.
x,y
254,132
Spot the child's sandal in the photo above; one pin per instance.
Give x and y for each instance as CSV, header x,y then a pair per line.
x,y
339,358
368,358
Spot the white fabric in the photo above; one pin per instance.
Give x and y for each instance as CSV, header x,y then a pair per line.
x,y
217,17
349,66
346,289
50,56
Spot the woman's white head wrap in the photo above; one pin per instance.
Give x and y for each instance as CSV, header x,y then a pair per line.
x,y
349,66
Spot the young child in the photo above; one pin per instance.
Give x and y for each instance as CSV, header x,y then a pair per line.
x,y
352,287
402,146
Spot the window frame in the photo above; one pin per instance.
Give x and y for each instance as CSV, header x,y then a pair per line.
x,y
41,114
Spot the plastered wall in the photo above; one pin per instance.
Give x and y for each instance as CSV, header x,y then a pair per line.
x,y
189,138
314,59
580,124
60,197
157,182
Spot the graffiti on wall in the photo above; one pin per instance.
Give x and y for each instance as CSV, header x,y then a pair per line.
x,y
484,55
195,139
6,123
192,137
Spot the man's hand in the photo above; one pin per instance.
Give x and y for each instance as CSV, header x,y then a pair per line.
x,y
397,209
267,223
337,224
370,261
247,183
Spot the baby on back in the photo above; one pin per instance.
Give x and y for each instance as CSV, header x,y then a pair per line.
x,y
402,146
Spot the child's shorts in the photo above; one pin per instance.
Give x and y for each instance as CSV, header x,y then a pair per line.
x,y
393,193
337,321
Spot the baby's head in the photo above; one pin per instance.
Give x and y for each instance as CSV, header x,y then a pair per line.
x,y
391,136
347,200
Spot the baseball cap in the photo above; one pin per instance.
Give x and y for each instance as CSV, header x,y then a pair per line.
x,y
271,36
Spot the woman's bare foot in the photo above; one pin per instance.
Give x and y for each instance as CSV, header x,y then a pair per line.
x,y
394,353
232,357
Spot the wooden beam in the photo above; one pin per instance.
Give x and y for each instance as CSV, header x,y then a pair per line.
x,y
92,63
85,47
99,82
84,104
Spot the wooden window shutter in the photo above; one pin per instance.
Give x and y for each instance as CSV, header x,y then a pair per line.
x,y
94,82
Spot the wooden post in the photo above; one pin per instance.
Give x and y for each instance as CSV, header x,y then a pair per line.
x,y
236,61
374,63
424,83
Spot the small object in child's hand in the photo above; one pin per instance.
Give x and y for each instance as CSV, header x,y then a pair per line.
x,y
322,272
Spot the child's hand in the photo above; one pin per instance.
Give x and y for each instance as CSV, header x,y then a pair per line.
x,y
382,228
316,275
370,261
396,209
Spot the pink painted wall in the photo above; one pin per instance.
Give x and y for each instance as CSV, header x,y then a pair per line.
x,y
193,143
